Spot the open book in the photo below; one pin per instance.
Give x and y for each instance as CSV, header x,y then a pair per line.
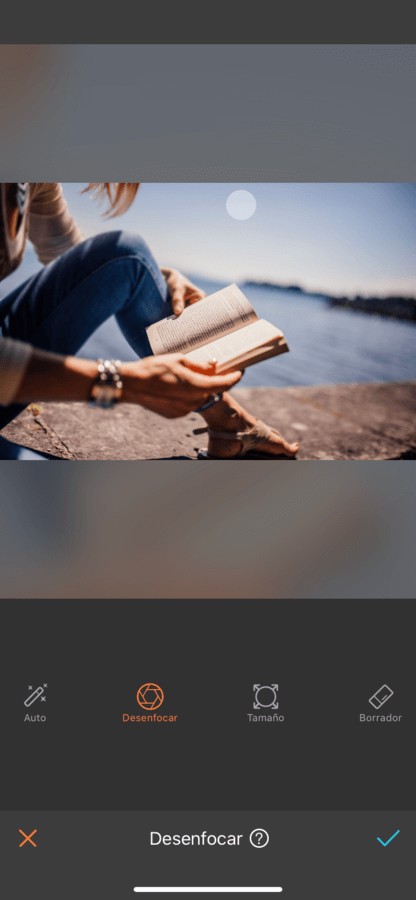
x,y
224,327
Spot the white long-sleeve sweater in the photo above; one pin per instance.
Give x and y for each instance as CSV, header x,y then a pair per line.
x,y
52,231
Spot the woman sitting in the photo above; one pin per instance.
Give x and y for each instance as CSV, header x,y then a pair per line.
x,y
46,320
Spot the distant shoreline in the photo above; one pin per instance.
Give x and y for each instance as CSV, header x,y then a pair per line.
x,y
395,307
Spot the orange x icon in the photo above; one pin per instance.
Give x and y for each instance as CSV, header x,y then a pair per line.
x,y
28,838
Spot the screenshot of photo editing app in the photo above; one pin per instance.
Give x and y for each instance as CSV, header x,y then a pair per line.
x,y
207,654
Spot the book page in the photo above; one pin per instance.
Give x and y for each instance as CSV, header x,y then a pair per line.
x,y
245,346
214,316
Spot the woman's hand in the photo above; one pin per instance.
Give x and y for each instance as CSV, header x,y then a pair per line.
x,y
172,386
169,385
182,292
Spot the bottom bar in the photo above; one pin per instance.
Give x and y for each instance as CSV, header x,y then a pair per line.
x,y
208,890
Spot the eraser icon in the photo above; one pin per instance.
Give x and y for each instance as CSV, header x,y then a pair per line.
x,y
381,696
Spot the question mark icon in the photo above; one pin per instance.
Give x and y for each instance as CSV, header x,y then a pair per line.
x,y
259,838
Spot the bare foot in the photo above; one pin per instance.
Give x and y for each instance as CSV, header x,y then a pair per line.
x,y
275,445
229,416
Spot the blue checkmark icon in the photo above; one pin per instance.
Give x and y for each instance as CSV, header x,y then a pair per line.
x,y
386,843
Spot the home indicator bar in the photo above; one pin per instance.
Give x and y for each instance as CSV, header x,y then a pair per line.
x,y
208,890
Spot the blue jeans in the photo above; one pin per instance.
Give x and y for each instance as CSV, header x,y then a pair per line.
x,y
60,307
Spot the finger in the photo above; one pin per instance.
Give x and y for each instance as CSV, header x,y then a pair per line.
x,y
178,300
207,368
214,383
193,294
221,383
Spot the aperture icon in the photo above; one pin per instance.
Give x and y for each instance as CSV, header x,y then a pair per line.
x,y
150,696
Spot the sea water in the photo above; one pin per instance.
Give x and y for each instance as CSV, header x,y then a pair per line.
x,y
327,345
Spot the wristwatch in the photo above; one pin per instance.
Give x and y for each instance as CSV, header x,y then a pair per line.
x,y
108,386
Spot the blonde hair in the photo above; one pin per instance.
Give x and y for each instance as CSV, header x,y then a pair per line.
x,y
119,194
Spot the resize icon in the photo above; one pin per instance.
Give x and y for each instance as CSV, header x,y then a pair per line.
x,y
265,696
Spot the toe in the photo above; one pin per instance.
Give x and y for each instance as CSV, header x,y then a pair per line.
x,y
282,446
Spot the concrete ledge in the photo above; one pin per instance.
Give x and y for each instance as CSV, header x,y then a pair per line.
x,y
353,421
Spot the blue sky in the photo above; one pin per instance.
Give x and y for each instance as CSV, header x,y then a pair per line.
x,y
334,237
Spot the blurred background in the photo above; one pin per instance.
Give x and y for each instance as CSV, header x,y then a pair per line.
x,y
177,529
